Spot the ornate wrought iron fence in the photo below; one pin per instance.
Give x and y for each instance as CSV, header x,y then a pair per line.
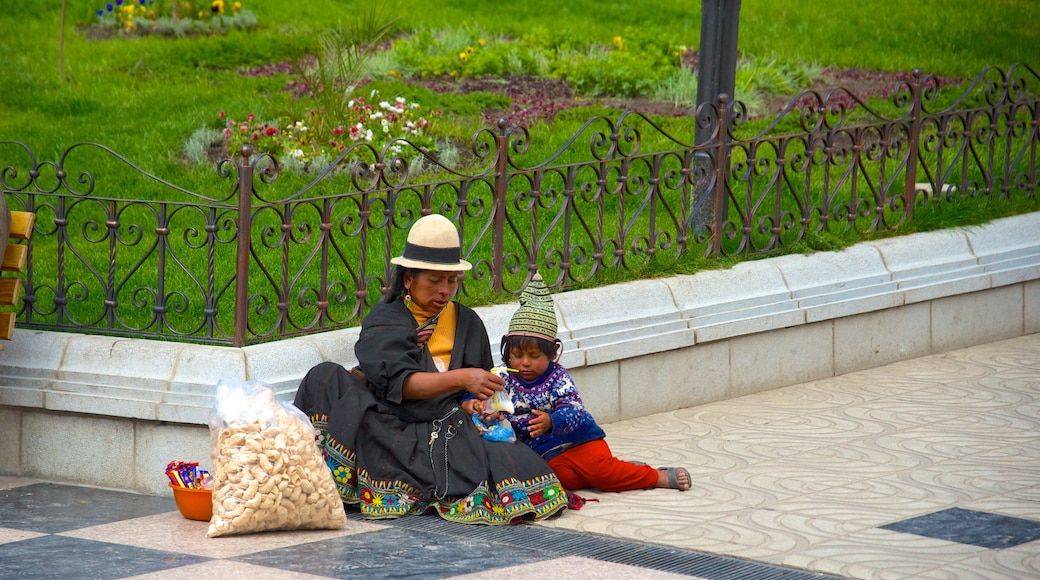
x,y
166,262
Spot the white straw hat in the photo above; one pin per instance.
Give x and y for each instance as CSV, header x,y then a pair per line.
x,y
433,244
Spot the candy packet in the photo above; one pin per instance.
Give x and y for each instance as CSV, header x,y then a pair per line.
x,y
493,430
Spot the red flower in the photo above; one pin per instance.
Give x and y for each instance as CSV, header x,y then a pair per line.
x,y
337,131
271,131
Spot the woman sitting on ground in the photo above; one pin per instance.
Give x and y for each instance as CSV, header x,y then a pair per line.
x,y
392,428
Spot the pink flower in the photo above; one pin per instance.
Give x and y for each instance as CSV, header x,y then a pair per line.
x,y
244,127
227,133
250,117
222,114
337,131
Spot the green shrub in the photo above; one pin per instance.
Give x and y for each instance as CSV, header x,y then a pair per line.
x,y
627,69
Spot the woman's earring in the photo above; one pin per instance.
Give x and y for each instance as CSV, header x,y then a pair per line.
x,y
407,298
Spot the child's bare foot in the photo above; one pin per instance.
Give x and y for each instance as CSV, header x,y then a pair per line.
x,y
673,478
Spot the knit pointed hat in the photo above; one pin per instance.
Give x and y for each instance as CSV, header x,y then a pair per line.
x,y
536,316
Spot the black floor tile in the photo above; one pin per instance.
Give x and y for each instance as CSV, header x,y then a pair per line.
x,y
395,553
554,543
971,527
63,557
53,508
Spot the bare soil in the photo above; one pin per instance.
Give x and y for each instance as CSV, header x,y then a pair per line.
x,y
538,98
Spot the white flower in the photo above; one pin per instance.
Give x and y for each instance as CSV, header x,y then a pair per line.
x,y
399,100
376,115
296,153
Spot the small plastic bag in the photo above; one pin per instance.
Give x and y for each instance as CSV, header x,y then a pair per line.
x,y
500,402
493,430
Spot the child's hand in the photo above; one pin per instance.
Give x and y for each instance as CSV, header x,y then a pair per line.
x,y
472,406
541,424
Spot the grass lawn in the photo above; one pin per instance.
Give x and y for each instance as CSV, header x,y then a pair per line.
x,y
145,96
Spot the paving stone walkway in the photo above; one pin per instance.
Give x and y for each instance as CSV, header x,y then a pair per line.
x,y
928,468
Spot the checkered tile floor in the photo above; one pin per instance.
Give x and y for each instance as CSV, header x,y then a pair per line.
x,y
50,530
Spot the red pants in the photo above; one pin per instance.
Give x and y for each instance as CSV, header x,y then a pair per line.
x,y
593,465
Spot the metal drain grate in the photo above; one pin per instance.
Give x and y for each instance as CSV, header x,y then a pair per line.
x,y
567,543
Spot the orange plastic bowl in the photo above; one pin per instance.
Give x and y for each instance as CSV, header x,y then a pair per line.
x,y
194,504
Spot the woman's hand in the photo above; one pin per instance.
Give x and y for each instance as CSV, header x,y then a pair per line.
x,y
479,382
540,425
426,385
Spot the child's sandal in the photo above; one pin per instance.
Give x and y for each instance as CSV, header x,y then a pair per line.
x,y
673,478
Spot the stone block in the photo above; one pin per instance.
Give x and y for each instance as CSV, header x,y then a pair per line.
x,y
704,296
977,318
23,392
1010,235
127,405
84,449
924,253
851,302
673,380
749,321
768,360
281,365
10,441
192,414
826,273
34,352
200,368
337,345
636,342
599,389
1031,307
882,337
750,297
623,320
135,359
157,444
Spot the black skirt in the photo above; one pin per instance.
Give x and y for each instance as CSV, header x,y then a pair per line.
x,y
393,459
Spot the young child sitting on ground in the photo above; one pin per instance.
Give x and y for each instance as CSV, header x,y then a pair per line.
x,y
549,414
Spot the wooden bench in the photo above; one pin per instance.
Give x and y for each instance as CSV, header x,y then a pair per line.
x,y
15,256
